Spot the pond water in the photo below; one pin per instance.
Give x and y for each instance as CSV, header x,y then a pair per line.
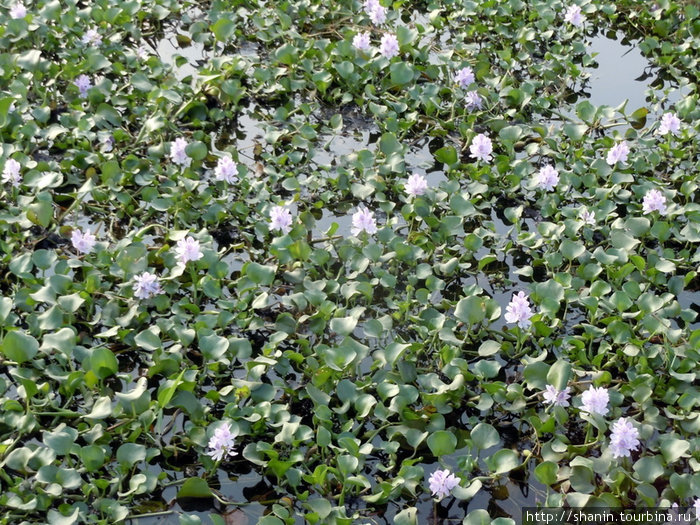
x,y
624,74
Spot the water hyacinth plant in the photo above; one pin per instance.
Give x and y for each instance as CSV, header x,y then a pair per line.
x,y
347,262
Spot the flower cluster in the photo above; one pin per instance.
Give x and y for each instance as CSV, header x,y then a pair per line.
x,y
559,398
573,16
624,438
91,37
670,123
146,286
187,250
375,11
225,169
178,154
83,83
473,100
83,242
361,41
518,310
481,148
11,172
465,77
18,11
547,178
363,220
221,443
389,46
442,482
587,216
416,185
654,200
595,401
618,153
280,219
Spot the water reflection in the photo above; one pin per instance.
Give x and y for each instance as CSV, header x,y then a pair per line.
x,y
623,73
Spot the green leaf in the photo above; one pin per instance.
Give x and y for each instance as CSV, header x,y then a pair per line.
x,y
345,69
477,517
484,436
638,119
131,453
649,468
343,325
442,442
19,346
571,250
92,456
471,310
488,348
467,493
673,448
559,374
503,461
165,395
213,346
407,516
224,28
575,131
196,150
447,155
194,488
401,73
546,472
260,274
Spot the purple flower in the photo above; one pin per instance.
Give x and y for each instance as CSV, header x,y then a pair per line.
x,y
142,52
108,143
83,242
178,154
376,12
442,482
697,508
361,41
83,83
11,172
221,443
624,438
281,219
465,76
481,148
574,16
547,178
363,220
226,170
147,285
18,11
595,401
654,200
618,153
518,310
187,249
416,185
587,217
556,397
389,46
670,123
378,15
91,37
473,100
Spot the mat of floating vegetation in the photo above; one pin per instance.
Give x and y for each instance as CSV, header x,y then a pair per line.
x,y
345,262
